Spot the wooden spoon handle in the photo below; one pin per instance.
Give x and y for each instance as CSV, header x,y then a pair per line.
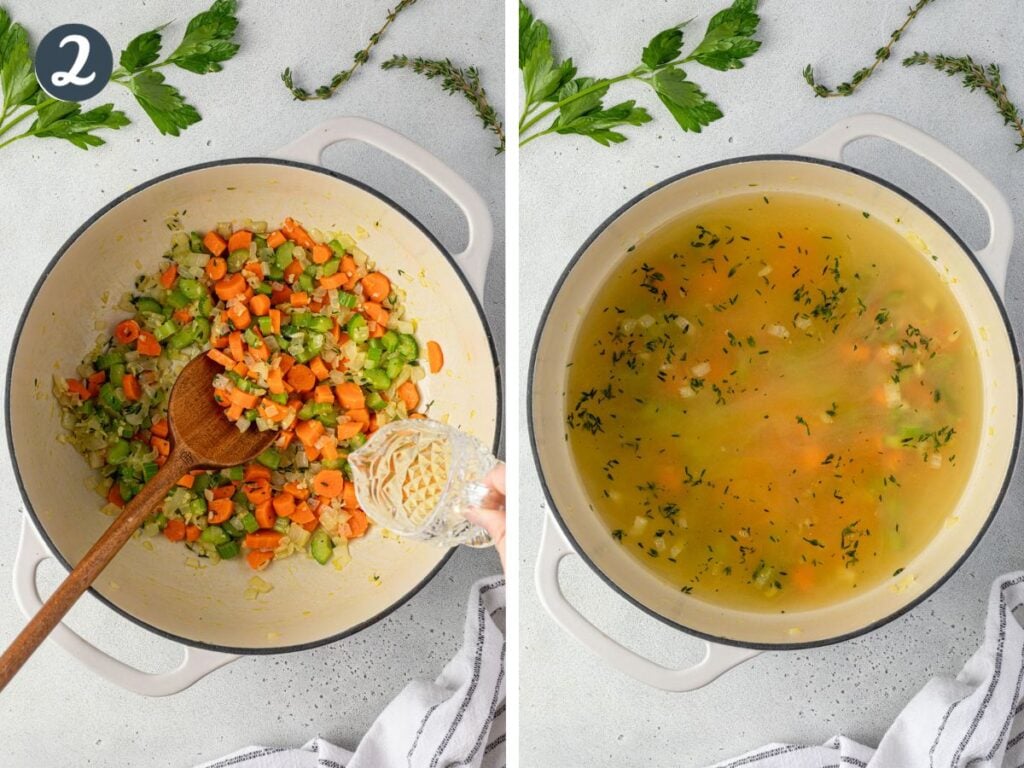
x,y
90,566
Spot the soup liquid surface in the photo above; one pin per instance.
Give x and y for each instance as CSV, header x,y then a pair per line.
x,y
774,403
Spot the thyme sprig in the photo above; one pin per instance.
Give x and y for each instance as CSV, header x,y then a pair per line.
x,y
987,77
882,54
456,80
361,57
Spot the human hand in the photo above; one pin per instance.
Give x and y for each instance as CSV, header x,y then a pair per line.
x,y
490,515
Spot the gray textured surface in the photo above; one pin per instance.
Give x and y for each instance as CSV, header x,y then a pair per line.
x,y
56,709
578,711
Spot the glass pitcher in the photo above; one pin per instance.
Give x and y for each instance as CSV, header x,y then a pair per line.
x,y
417,477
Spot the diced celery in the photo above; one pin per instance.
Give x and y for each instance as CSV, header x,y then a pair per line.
x,y
118,452
347,300
228,550
357,329
166,330
177,299
237,259
270,457
214,534
377,379
284,254
193,289
389,340
321,547
249,523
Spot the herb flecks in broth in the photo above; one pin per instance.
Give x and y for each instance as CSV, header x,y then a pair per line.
x,y
774,402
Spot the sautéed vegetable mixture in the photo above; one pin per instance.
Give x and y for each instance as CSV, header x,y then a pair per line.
x,y
774,402
315,345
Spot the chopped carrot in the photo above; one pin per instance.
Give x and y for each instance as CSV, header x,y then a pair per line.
x,y
132,390
239,240
257,491
321,254
376,286
147,344
348,429
162,446
409,395
328,483
240,317
192,532
76,387
332,282
175,529
187,480
169,276
284,440
284,504
280,295
286,362
303,515
245,399
236,345
220,358
299,492
160,428
220,510
319,369
126,331
255,471
275,381
376,312
350,395
292,271
216,268
254,268
309,432
301,377
234,412
275,320
295,232
114,495
323,394
359,414
264,513
259,560
435,356
230,286
358,523
263,540
182,316
214,243
259,304
276,238
299,299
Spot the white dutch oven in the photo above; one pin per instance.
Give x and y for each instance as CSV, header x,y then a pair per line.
x,y
976,279
204,608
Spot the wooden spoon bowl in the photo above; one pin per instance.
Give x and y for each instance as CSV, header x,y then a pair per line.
x,y
201,438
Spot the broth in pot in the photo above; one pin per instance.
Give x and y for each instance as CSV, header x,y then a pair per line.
x,y
774,402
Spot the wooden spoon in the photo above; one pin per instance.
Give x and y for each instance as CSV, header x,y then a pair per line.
x,y
201,437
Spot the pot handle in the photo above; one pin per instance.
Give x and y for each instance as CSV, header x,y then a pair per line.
x,y
309,148
995,256
717,660
196,665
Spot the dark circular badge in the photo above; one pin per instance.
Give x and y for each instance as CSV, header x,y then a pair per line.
x,y
73,62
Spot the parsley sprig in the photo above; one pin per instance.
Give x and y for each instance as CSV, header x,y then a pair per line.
x,y
207,43
551,86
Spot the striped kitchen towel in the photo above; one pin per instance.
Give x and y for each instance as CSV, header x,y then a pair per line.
x,y
976,719
458,720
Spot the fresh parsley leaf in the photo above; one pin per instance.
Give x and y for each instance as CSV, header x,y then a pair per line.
x,y
208,39
688,104
163,103
570,110
664,47
542,75
598,124
17,78
728,38
142,51
65,120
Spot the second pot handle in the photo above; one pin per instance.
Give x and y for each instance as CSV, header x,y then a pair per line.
x,y
995,256
309,147
196,664
717,660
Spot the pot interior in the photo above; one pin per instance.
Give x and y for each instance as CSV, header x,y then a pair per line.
x,y
162,584
599,258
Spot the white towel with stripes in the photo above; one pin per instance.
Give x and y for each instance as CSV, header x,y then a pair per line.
x,y
975,720
458,720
